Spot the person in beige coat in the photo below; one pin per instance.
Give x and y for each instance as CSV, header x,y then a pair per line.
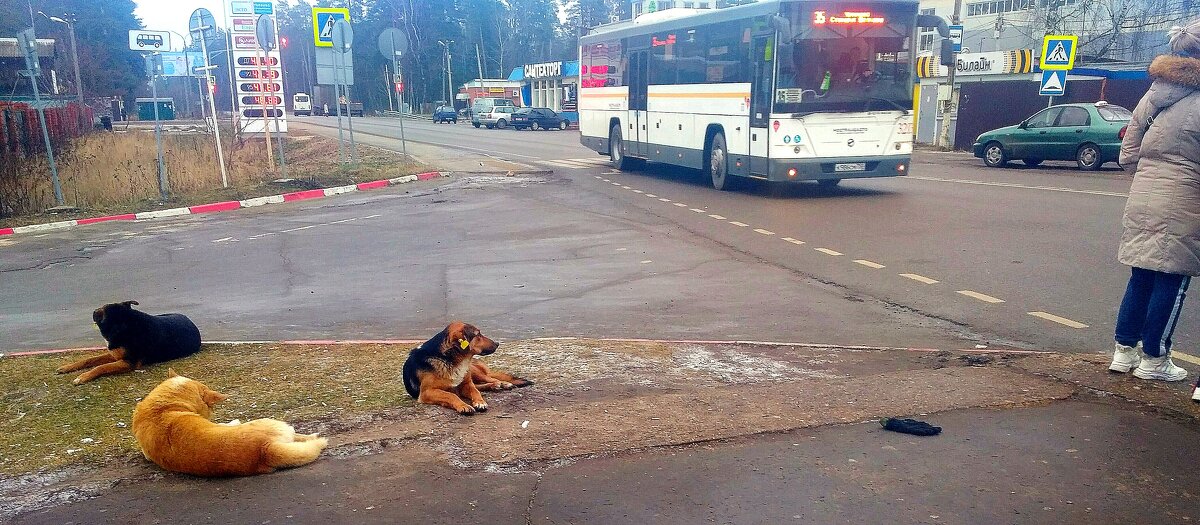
x,y
1161,240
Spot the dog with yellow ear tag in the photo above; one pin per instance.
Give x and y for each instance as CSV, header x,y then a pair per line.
x,y
173,426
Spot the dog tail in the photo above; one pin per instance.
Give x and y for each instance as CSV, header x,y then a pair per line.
x,y
294,454
509,378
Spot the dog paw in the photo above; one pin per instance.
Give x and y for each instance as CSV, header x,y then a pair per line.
x,y
506,386
480,407
78,381
63,369
467,410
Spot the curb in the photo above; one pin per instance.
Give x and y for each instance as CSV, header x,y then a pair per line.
x,y
816,346
217,207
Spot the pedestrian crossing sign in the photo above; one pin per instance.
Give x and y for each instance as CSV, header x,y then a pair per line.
x,y
323,20
1058,52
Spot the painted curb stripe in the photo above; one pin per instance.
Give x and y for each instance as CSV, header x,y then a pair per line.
x,y
303,195
216,206
373,185
227,205
94,220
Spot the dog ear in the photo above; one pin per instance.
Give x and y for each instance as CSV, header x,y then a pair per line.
x,y
212,397
98,315
128,304
172,373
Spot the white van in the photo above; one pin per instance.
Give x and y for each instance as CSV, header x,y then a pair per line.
x,y
301,104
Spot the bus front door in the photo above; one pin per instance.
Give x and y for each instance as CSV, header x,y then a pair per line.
x,y
760,103
635,129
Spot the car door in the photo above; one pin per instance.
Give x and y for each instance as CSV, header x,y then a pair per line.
x,y
1068,132
1032,140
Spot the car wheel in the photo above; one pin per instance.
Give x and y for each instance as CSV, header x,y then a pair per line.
x,y
535,126
718,164
502,124
994,155
476,124
829,183
1033,163
562,126
1088,157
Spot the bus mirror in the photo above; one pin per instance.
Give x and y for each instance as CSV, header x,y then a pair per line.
x,y
784,27
947,54
934,21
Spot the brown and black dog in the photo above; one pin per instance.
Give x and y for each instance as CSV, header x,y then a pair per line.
x,y
136,339
443,371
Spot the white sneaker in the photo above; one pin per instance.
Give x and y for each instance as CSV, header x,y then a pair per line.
x,y
1125,358
1159,368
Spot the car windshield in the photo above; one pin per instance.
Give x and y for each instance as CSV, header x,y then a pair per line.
x,y
1114,113
845,61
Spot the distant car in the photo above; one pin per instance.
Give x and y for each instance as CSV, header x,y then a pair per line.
x,y
538,118
301,104
498,117
445,114
1089,134
482,106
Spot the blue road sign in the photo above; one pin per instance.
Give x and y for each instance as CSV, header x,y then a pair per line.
x,y
1058,52
1054,83
323,20
263,8
956,38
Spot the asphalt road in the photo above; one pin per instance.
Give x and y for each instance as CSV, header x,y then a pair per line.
x,y
742,264
1040,240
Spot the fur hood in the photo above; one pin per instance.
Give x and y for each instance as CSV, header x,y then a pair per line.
x,y
1178,70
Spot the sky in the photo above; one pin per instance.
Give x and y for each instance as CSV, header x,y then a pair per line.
x,y
172,15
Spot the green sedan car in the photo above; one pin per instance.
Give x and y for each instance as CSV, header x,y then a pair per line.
x,y
1089,134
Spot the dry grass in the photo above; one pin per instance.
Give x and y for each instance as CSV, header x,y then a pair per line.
x,y
44,419
118,172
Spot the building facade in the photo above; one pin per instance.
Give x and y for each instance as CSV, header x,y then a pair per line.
x,y
553,85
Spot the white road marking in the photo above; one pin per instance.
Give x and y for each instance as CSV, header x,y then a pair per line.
x,y
827,251
605,180
616,184
681,205
344,221
647,261
652,196
622,249
739,224
717,217
870,264
598,177
251,238
664,199
1060,320
638,191
919,278
373,216
764,232
222,239
697,210
982,297
300,228
1023,186
793,241
626,188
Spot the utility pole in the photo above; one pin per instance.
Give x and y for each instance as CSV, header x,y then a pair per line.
x,y
28,42
952,105
479,61
69,21
449,74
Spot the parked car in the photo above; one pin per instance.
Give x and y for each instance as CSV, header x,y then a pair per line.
x,y
498,117
482,106
1089,134
538,118
445,114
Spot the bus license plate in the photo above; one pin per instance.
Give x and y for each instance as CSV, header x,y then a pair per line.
x,y
850,166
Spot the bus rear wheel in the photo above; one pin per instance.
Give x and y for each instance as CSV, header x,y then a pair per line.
x,y
718,164
616,150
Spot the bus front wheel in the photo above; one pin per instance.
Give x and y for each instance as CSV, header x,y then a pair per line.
x,y
718,164
616,150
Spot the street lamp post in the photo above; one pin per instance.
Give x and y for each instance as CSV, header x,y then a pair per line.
x,y
449,74
69,21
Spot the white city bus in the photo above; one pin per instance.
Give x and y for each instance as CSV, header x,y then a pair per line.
x,y
779,90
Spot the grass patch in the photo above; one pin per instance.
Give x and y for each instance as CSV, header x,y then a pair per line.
x,y
112,173
44,419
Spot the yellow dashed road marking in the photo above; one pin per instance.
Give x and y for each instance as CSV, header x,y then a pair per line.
x,y
919,278
764,232
1060,320
793,241
870,264
827,251
982,297
739,224
1185,357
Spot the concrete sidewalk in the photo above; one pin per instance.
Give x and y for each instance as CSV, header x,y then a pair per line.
x,y
692,433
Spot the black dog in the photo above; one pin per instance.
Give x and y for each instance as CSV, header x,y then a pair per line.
x,y
136,339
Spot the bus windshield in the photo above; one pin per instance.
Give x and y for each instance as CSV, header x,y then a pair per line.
x,y
845,60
